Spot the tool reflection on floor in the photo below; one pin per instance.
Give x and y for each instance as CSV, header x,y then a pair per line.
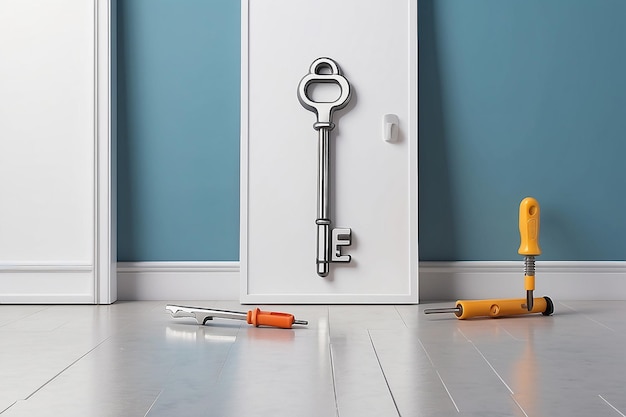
x,y
529,214
256,317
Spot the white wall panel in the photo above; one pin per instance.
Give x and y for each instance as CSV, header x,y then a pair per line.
x,y
47,130
49,136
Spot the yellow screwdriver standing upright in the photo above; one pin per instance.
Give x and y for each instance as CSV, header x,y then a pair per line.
x,y
529,247
529,243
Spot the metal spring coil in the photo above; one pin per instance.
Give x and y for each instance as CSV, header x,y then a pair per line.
x,y
529,266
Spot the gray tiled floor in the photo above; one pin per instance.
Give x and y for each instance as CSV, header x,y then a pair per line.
x,y
133,359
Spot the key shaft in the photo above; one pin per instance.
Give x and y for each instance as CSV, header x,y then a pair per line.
x,y
324,111
323,191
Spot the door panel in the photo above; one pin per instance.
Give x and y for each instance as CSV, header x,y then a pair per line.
x,y
373,183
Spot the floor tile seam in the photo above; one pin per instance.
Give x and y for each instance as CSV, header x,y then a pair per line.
x,y
500,326
333,378
448,391
153,403
599,323
611,405
487,361
230,349
395,307
26,316
60,326
445,387
588,317
419,340
518,404
382,371
61,371
493,369
332,362
12,404
434,368
66,368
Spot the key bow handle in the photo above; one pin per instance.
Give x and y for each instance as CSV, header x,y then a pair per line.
x,y
324,109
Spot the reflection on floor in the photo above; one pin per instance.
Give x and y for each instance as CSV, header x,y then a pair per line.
x,y
133,359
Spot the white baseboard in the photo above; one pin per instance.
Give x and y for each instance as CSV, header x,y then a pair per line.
x,y
564,280
46,282
178,281
438,281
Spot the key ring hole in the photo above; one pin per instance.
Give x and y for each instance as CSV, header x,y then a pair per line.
x,y
324,68
323,92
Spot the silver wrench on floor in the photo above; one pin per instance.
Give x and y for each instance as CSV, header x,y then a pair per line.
x,y
328,243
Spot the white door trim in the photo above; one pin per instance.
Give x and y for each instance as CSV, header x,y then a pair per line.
x,y
105,256
243,152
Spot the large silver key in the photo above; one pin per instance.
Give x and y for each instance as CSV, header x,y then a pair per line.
x,y
328,243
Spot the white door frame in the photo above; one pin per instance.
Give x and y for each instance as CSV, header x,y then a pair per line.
x,y
105,256
95,282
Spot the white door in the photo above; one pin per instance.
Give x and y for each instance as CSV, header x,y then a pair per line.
x,y
55,177
373,182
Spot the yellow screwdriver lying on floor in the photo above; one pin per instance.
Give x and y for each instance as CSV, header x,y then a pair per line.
x,y
529,247
256,317
466,309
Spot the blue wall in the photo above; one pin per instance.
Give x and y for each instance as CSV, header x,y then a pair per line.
x,y
522,98
178,130
516,98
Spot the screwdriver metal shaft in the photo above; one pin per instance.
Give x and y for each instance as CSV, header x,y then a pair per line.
x,y
455,310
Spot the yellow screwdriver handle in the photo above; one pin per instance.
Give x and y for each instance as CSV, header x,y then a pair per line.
x,y
529,214
502,307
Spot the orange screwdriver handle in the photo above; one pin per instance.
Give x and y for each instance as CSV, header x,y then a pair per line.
x,y
502,307
257,318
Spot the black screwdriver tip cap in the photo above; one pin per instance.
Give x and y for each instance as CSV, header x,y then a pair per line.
x,y
549,307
